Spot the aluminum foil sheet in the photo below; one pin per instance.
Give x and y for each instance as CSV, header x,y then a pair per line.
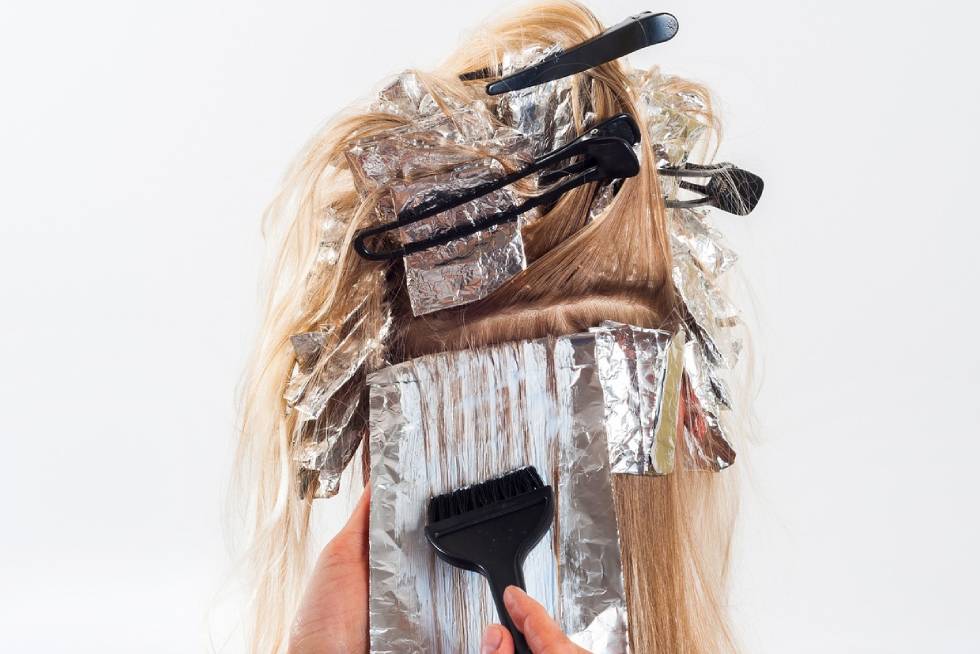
x,y
469,268
445,421
440,152
691,232
431,145
314,390
712,315
698,260
641,371
708,447
446,135
674,119
332,230
406,96
543,113
327,391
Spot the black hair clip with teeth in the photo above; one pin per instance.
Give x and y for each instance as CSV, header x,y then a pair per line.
x,y
729,188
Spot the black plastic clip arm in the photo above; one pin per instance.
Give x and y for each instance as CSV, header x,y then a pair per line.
x,y
634,33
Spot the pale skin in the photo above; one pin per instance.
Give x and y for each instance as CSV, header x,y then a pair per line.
x,y
333,617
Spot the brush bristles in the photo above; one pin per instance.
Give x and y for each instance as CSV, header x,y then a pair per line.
x,y
475,497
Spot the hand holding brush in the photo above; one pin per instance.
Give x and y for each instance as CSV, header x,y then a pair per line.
x,y
541,632
489,528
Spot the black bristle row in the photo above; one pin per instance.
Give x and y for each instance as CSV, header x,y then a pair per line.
x,y
480,495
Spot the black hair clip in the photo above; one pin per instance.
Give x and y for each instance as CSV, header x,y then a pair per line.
x,y
607,154
729,188
634,33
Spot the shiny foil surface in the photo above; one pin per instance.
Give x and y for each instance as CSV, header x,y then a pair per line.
x,y
542,114
443,148
327,391
673,118
466,269
641,372
448,145
445,421
675,122
444,152
707,445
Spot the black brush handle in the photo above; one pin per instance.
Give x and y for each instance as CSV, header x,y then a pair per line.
x,y
500,577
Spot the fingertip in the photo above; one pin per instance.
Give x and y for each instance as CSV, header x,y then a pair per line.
x,y
496,640
513,596
532,619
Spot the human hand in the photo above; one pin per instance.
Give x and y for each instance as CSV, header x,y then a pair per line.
x,y
333,616
543,634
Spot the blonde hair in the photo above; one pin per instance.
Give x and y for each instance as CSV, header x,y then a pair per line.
x,y
675,530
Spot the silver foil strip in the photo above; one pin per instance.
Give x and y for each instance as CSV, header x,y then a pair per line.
x,y
441,152
327,391
708,447
466,269
313,454
674,119
332,230
641,371
406,96
336,370
449,420
309,349
429,146
712,314
444,134
585,513
690,231
542,113
337,442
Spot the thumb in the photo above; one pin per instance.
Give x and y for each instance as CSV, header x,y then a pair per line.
x,y
497,640
542,633
357,524
350,543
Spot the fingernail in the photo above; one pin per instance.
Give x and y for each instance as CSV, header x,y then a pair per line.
x,y
511,596
491,640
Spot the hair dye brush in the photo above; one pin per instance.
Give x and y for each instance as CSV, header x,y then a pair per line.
x,y
490,528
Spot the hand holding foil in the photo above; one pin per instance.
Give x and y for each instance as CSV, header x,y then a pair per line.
x,y
542,633
333,617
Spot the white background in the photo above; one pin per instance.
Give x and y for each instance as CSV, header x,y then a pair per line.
x,y
139,143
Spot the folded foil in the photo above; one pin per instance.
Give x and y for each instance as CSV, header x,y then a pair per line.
x,y
327,390
708,447
674,118
641,372
449,420
469,268
542,113
447,146
698,260
444,147
691,232
710,314
675,121
579,408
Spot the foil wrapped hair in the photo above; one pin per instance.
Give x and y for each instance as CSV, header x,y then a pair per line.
x,y
476,142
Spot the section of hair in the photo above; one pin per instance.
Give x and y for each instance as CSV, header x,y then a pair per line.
x,y
675,530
